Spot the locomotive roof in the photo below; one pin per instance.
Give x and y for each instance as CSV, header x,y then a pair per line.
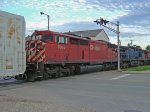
x,y
57,33
68,35
96,34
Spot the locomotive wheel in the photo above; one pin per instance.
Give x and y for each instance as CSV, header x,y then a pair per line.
x,y
40,71
30,76
104,67
39,78
55,75
59,73
45,75
68,73
71,70
113,67
77,70
108,67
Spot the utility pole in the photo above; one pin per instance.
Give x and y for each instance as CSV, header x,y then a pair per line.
x,y
118,41
42,13
114,27
131,42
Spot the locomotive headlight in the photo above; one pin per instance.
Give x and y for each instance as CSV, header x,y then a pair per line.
x,y
39,47
32,45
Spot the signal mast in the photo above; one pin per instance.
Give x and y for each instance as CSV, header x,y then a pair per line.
x,y
114,27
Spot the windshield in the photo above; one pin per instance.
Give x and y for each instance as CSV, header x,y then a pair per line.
x,y
47,37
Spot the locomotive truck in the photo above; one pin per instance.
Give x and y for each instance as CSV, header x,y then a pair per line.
x,y
49,54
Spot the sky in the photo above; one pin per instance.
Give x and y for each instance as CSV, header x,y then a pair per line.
x,y
76,15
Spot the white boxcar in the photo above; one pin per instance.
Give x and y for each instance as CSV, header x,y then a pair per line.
x,y
12,44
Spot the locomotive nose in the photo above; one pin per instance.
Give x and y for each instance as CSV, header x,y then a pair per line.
x,y
36,51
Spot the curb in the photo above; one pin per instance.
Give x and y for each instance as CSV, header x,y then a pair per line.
x,y
135,72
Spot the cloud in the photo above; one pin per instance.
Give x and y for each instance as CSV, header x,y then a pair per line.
x,y
63,27
74,15
139,34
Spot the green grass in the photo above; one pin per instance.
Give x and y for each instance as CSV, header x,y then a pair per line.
x,y
139,68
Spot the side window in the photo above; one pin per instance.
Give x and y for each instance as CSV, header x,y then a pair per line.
x,y
60,39
66,40
83,42
57,39
74,41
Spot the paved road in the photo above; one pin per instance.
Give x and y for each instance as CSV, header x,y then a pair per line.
x,y
2,81
102,91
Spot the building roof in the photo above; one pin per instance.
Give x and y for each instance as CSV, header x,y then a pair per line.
x,y
87,33
97,34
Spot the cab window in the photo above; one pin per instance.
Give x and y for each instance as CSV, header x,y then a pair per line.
x,y
47,37
66,40
33,38
62,40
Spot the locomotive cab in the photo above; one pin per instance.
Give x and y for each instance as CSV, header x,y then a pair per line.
x,y
44,36
35,46
47,38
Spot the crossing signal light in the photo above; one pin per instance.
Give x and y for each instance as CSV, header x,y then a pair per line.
x,y
101,21
97,21
105,22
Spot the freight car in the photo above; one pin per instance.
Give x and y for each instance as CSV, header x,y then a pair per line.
x,y
12,44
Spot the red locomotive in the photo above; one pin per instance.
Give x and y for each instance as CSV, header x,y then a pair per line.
x,y
52,54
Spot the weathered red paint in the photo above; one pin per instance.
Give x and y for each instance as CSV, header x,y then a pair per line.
x,y
72,52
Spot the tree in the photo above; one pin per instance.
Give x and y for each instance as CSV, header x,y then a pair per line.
x,y
135,46
148,47
129,45
138,47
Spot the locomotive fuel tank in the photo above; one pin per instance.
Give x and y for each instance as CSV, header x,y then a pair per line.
x,y
90,68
